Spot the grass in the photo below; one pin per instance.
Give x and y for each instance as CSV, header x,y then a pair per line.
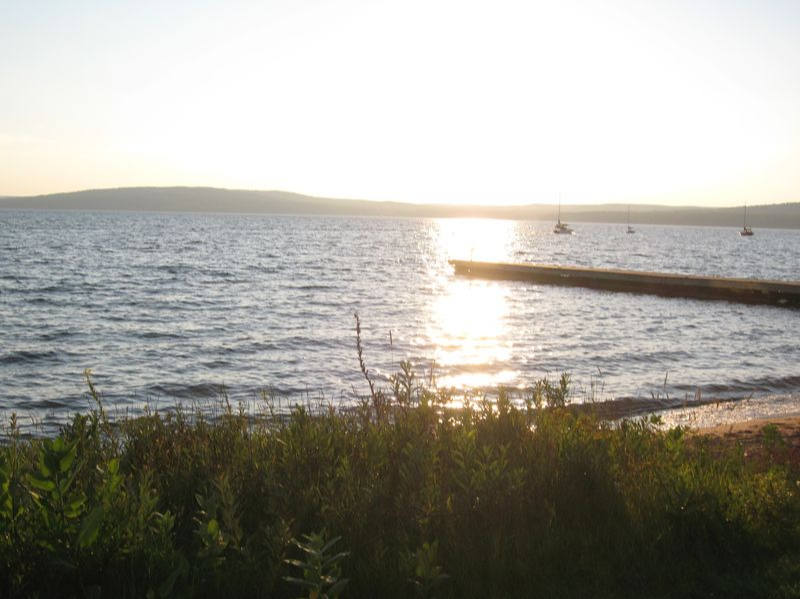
x,y
509,497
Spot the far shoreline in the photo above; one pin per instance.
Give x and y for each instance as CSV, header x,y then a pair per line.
x,y
276,202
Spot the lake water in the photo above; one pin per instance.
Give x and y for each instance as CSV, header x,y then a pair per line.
x,y
167,308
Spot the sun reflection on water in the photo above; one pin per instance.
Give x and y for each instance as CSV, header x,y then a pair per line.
x,y
469,319
480,239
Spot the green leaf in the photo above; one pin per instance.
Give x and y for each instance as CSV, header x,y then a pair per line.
x,y
66,461
75,506
336,589
90,527
41,484
332,561
212,528
301,583
330,544
62,563
6,505
47,463
180,571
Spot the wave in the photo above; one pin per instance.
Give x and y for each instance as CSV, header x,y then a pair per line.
x,y
632,407
23,356
778,384
157,334
311,287
42,301
216,364
53,289
39,404
55,335
201,391
173,269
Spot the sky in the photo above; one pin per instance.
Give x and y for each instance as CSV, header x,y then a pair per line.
x,y
497,102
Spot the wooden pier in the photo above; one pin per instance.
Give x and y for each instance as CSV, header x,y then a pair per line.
x,y
750,291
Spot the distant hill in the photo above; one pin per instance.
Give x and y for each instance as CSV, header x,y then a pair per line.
x,y
207,199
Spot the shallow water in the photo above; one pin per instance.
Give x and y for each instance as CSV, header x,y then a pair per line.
x,y
167,308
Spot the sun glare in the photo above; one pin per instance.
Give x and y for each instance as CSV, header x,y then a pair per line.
x,y
479,239
468,323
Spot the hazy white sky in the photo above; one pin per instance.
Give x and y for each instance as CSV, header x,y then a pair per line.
x,y
494,102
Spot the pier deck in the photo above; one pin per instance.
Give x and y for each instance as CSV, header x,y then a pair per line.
x,y
751,291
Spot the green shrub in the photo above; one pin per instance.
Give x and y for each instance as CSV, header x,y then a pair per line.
x,y
508,497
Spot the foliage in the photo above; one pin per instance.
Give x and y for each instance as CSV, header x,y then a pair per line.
x,y
321,571
516,496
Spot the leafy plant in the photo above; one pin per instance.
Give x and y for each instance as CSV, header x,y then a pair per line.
x,y
428,575
507,495
321,570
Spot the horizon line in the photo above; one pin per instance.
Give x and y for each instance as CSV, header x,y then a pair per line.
x,y
376,201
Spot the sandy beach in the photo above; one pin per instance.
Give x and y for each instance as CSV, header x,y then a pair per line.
x,y
776,437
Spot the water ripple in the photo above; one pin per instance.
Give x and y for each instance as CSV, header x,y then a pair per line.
x,y
175,306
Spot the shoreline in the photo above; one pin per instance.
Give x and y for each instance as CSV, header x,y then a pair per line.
x,y
788,423
769,439
713,413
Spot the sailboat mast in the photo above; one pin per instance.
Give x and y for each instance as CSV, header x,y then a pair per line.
x,y
559,208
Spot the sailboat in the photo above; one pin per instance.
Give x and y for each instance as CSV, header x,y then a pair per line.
x,y
630,229
746,231
561,228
